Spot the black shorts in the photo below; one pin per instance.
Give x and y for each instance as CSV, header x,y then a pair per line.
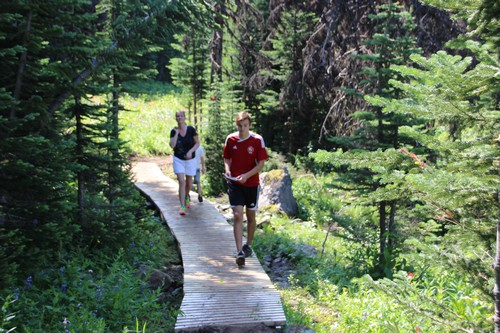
x,y
243,195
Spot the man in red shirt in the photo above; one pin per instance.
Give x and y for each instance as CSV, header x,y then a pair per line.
x,y
244,156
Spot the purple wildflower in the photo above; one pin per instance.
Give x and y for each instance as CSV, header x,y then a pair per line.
x,y
28,282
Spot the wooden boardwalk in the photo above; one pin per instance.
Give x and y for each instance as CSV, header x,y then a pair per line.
x,y
216,292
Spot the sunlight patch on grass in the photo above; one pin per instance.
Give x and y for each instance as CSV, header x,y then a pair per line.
x,y
146,123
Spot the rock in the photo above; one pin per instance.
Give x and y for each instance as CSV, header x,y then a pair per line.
x,y
156,278
276,192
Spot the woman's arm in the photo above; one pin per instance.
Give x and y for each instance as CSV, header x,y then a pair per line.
x,y
173,140
189,154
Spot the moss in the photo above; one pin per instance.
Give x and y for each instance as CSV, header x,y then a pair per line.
x,y
274,175
273,209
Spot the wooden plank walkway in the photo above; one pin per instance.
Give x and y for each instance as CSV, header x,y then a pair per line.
x,y
216,292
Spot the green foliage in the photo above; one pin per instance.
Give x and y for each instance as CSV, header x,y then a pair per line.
x,y
330,293
97,293
369,164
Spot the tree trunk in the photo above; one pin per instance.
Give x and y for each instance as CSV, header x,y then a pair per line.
x,y
216,47
79,155
382,235
496,265
216,56
392,225
113,152
194,78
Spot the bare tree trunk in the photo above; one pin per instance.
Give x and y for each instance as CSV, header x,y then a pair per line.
x,y
216,49
216,56
496,264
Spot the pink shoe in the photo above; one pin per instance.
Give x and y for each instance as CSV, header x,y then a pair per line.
x,y
182,211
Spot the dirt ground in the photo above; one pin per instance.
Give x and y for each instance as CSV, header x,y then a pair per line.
x,y
164,162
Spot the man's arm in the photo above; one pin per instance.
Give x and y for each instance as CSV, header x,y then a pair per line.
x,y
227,167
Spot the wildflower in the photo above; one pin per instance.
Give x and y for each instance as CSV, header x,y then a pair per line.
x,y
64,288
411,275
28,282
99,293
17,294
66,322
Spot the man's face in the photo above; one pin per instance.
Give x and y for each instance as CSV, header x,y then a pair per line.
x,y
243,127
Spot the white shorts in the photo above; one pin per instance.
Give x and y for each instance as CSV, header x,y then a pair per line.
x,y
187,167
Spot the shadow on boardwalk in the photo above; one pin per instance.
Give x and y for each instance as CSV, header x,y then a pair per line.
x,y
218,296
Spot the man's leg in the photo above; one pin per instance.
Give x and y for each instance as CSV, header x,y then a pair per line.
x,y
238,226
251,225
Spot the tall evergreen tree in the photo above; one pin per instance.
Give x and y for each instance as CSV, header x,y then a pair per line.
x,y
295,110
374,178
189,71
459,184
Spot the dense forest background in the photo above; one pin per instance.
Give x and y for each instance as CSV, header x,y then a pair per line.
x,y
395,103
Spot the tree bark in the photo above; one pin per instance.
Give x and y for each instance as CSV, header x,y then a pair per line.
x,y
496,265
216,45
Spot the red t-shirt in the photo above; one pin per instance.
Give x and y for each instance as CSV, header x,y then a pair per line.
x,y
244,155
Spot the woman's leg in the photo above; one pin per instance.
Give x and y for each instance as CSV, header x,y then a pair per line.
x,y
181,178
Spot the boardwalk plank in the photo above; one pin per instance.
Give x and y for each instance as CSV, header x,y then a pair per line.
x,y
216,291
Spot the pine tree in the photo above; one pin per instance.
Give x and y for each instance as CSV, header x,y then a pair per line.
x,y
294,110
189,71
364,166
461,183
